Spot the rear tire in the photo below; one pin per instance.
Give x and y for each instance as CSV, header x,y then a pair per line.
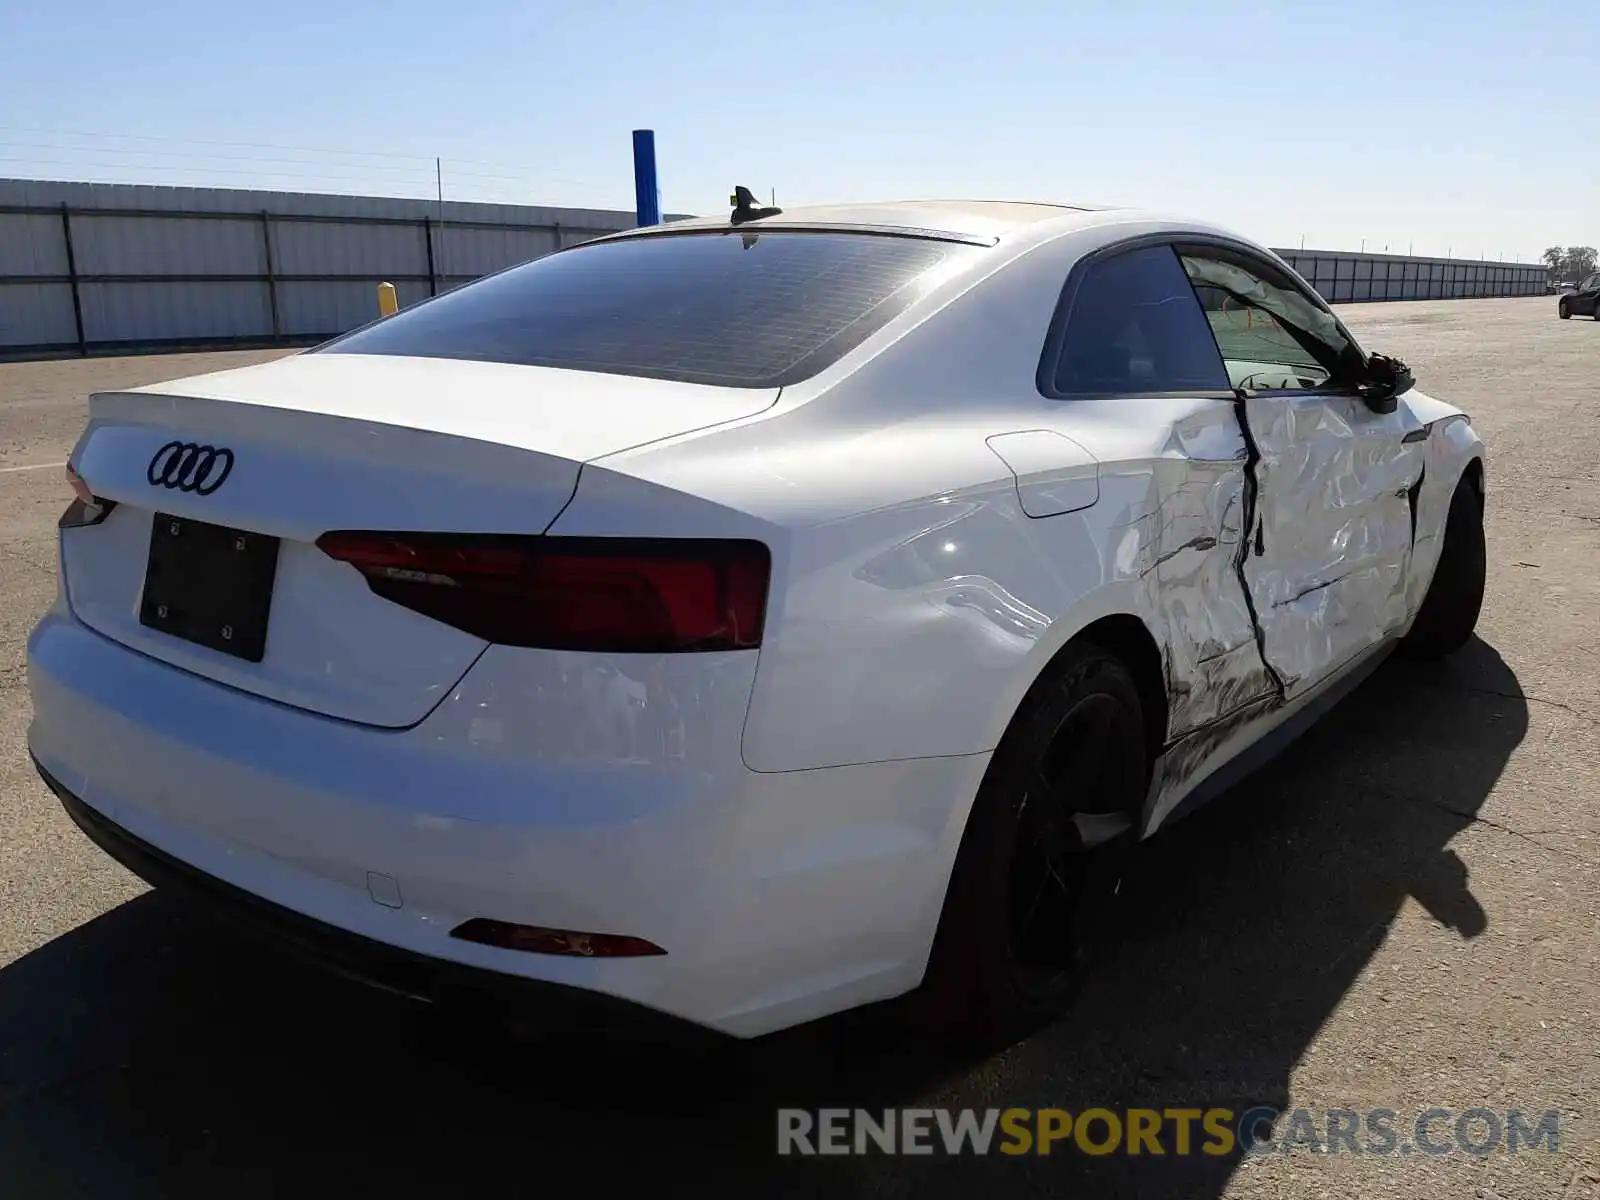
x,y
1449,611
1031,895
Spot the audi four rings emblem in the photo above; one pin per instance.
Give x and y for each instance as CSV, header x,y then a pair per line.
x,y
187,467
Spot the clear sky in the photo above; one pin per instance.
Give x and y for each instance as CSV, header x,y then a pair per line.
x,y
1462,125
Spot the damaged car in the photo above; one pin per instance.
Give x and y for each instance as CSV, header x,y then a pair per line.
x,y
748,618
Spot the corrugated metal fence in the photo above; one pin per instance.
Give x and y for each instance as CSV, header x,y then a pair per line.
x,y
89,268
1342,277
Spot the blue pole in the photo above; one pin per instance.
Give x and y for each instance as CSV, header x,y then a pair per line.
x,y
646,191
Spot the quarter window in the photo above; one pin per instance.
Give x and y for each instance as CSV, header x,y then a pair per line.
x,y
1134,328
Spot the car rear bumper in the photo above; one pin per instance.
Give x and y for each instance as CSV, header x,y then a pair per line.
x,y
778,897
415,976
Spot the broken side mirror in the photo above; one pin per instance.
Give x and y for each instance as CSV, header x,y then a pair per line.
x,y
1386,380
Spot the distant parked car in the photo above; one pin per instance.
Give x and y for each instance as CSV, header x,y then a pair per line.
x,y
1584,299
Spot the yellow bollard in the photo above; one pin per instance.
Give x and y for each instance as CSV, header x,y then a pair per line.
x,y
388,301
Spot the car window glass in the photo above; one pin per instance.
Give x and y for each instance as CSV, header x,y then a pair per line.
x,y
1134,326
1270,334
756,310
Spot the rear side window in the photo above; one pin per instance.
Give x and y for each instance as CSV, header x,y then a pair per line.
x,y
743,309
1135,327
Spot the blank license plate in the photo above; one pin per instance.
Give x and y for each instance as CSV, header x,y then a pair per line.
x,y
210,585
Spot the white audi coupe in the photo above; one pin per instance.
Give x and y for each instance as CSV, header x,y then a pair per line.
x,y
744,619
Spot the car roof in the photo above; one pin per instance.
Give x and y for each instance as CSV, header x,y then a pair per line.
x,y
976,220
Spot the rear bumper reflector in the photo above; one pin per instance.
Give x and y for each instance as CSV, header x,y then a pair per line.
x,y
537,940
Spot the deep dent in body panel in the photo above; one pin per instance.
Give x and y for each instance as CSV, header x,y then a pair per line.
x,y
1180,765
1214,673
1335,530
1211,663
1333,496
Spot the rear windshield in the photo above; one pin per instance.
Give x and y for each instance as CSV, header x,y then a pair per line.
x,y
755,310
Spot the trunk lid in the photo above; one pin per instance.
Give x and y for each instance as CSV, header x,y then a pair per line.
x,y
327,441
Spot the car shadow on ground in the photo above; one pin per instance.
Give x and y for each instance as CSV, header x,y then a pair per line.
x,y
149,1053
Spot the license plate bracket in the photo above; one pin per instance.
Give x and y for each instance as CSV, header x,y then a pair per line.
x,y
210,585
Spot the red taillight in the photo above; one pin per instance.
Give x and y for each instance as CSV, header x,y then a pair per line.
x,y
659,595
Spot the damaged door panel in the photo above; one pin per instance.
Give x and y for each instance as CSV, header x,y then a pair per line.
x,y
1320,508
1213,661
1332,532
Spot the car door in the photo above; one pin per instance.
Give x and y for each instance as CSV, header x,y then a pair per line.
x,y
1588,298
1332,525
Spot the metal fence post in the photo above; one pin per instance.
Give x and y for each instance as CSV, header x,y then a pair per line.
x,y
427,234
72,278
646,190
271,280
